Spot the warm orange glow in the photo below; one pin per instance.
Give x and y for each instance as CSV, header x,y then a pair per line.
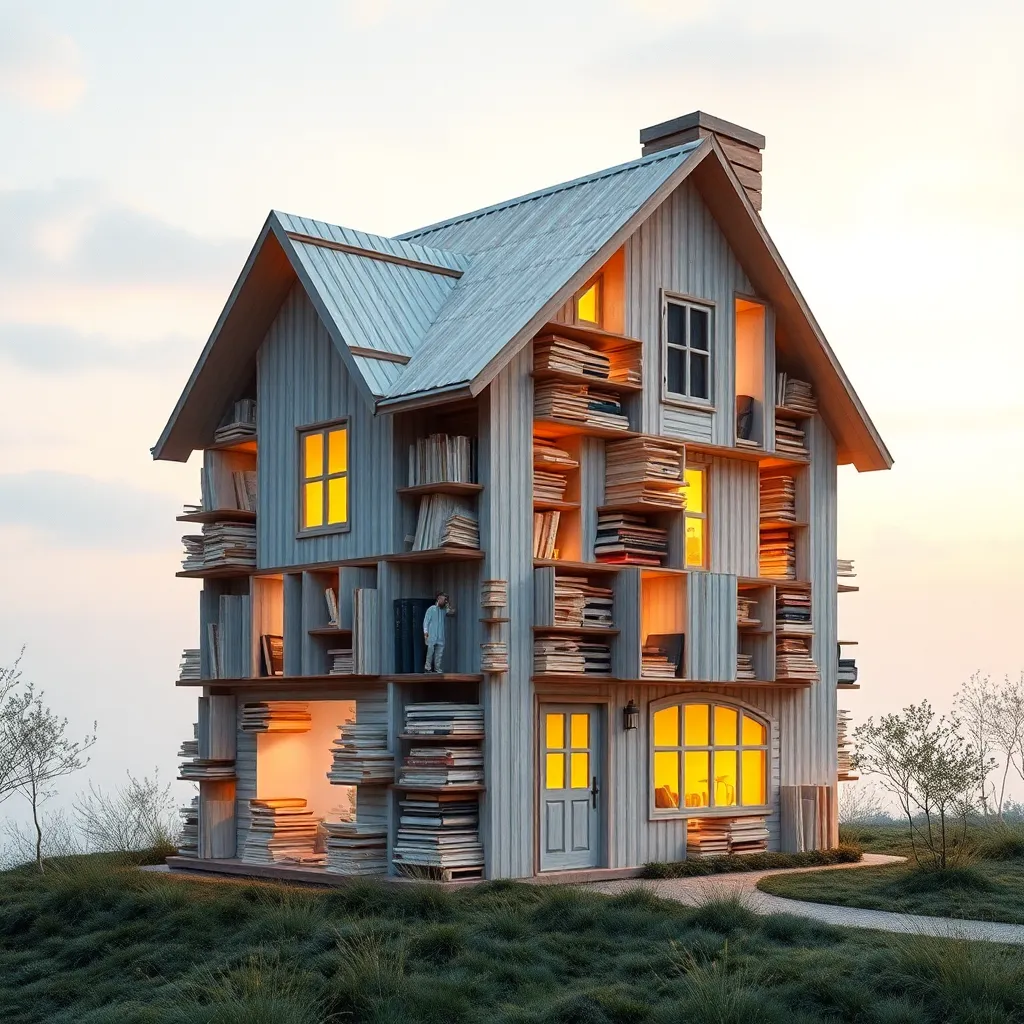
x,y
579,731
337,499
325,476
554,730
695,725
726,723
666,727
337,451
725,778
313,504
754,777
666,778
754,733
313,460
695,778
555,776
579,770
694,489
695,542
588,305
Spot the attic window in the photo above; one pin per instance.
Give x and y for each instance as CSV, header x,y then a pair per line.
x,y
588,303
323,499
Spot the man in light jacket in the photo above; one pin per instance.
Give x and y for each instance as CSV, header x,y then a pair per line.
x,y
433,631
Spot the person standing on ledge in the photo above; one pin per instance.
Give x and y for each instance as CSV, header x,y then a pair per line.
x,y
433,631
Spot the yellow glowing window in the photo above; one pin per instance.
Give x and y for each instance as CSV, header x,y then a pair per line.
x,y
554,731
324,483
696,517
588,304
555,775
579,770
579,731
718,758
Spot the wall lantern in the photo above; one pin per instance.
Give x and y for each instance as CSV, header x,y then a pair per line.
x,y
631,715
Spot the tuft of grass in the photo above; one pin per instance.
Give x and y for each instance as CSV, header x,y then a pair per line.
x,y
726,912
844,854
1001,842
967,879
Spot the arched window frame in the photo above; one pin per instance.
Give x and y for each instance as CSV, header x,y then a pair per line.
x,y
730,810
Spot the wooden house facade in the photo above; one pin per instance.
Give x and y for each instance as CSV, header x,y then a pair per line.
x,y
601,419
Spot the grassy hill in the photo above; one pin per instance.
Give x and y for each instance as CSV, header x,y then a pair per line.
x,y
94,940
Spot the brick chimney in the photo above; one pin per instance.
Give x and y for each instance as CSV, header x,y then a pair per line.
x,y
741,145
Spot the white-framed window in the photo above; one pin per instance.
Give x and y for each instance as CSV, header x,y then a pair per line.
x,y
707,754
323,478
687,332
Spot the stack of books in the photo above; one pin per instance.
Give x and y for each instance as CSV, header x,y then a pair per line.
x,y
597,657
271,655
222,544
655,664
279,716
777,554
356,848
441,458
446,521
190,665
578,602
494,593
793,612
645,471
793,660
579,403
443,765
795,394
745,666
545,534
625,538
548,486
847,671
442,718
204,769
190,747
845,751
188,837
556,654
282,831
438,831
746,613
844,567
778,498
717,837
241,425
789,437
360,755
547,455
342,662
195,553
494,656
552,352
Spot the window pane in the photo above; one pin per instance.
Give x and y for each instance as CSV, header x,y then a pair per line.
x,y
666,727
337,499
725,778
676,371
588,304
676,324
726,726
698,375
555,776
579,770
700,321
666,778
337,451
579,731
313,512
754,732
754,777
554,730
695,489
313,465
695,725
695,542
695,778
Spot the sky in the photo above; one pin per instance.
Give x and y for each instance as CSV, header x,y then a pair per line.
x,y
143,145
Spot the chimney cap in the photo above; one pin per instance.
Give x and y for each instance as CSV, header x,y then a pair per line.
x,y
697,120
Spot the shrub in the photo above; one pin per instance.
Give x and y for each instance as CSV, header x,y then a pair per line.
x,y
843,854
944,880
1001,842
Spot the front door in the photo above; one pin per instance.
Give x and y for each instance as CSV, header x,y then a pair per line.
x,y
571,787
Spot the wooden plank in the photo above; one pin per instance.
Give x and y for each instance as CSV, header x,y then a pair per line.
x,y
218,515
438,555
615,387
575,630
444,487
577,567
372,254
550,427
373,353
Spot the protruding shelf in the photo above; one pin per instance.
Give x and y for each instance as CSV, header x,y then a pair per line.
x,y
551,427
575,630
612,386
248,446
435,677
584,567
214,572
218,515
793,414
495,619
409,787
847,588
448,737
781,524
847,686
749,582
280,682
549,505
329,631
442,487
437,555
798,634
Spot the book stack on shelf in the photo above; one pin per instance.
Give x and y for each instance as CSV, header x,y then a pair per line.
x,y
494,656
195,553
190,664
557,655
578,602
552,352
745,666
789,437
597,657
646,471
777,544
777,555
213,497
548,486
442,765
188,836
793,612
282,831
221,545
205,769
656,664
342,661
545,534
719,837
278,716
547,455
446,521
356,847
844,568
361,756
845,749
241,425
442,718
778,498
746,613
190,747
579,403
493,593
793,660
794,394
442,458
271,655
847,671
624,538
438,835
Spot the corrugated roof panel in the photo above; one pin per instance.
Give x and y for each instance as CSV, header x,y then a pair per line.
x,y
379,374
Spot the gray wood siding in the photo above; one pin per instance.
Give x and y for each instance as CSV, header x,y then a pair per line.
x,y
733,508
711,635
302,380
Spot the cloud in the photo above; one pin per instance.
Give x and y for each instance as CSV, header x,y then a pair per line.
x,y
82,512
39,67
52,349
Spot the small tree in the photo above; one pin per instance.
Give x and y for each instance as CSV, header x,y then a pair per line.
x,y
139,815
1009,725
15,701
932,771
978,705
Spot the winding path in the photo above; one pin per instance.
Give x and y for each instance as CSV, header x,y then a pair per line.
x,y
695,891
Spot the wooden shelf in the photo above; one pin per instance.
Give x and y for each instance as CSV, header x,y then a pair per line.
x,y
767,460
555,467
233,446
601,383
749,582
573,677
664,570
329,631
450,737
435,677
576,567
794,414
408,787
779,524
216,572
847,643
546,427
794,633
217,515
435,555
575,630
847,588
279,682
603,341
848,778
576,678
847,686
443,487
751,631
548,505
492,620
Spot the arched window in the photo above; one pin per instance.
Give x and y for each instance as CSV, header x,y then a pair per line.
x,y
708,755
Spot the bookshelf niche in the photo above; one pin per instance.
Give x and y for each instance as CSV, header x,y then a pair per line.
x,y
574,627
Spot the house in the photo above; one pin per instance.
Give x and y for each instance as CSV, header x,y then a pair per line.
x,y
603,421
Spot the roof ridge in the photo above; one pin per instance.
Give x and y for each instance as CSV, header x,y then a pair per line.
x,y
662,154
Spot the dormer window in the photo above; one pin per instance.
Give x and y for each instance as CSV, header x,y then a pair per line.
x,y
323,483
588,304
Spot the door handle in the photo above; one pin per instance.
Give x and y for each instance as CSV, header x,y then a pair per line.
x,y
595,789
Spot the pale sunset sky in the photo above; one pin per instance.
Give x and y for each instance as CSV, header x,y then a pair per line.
x,y
142,145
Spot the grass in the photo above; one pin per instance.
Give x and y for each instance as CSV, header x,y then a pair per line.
x,y
847,853
95,941
989,886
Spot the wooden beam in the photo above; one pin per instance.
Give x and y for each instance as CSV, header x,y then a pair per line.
x,y
373,353
372,254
